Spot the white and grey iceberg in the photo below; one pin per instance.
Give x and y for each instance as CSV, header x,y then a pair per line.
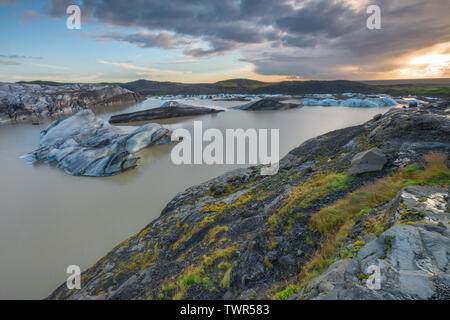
x,y
355,101
84,145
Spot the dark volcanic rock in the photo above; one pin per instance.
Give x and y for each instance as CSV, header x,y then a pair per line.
x,y
267,104
228,238
171,109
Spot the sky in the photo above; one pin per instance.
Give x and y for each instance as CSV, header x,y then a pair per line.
x,y
212,40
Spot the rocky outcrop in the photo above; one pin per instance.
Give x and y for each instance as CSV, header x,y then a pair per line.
x,y
244,236
170,109
84,145
408,261
367,161
267,104
32,102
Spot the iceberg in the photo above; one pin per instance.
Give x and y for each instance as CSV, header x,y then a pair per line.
x,y
360,101
83,145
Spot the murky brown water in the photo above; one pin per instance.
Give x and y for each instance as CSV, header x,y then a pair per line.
x,y
49,220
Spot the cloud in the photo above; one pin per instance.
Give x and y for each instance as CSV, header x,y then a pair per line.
x,y
9,3
49,66
6,62
58,7
306,38
15,56
181,61
142,70
222,24
27,16
146,39
60,77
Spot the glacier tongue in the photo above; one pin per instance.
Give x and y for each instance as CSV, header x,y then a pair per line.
x,y
84,145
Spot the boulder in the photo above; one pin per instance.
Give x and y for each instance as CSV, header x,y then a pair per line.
x,y
367,161
84,145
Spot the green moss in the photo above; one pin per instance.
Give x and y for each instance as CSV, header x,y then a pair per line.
x,y
193,276
207,220
376,226
362,276
388,246
210,237
199,273
225,283
168,287
304,194
286,293
290,226
410,217
345,253
220,207
218,254
267,263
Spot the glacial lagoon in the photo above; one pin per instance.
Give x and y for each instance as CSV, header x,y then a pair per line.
x,y
50,220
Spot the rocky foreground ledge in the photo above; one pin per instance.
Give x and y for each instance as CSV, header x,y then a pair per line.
x,y
33,102
310,231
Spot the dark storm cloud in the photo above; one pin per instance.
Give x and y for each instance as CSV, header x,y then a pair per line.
x,y
285,32
222,24
145,39
407,26
322,18
59,7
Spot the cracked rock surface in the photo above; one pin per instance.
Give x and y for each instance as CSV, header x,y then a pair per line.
x,y
413,258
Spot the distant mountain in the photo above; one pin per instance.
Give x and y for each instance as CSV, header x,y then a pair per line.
x,y
242,83
430,87
45,83
246,86
441,82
